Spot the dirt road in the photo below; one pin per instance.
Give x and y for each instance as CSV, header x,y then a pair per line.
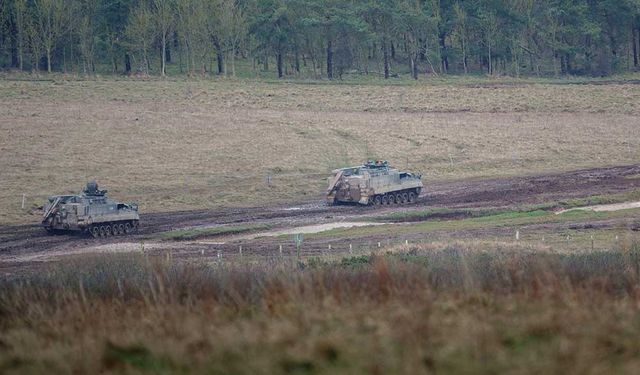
x,y
26,243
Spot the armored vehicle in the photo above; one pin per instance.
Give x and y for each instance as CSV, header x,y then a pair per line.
x,y
89,212
374,183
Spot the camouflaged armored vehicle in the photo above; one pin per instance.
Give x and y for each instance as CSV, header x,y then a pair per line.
x,y
374,183
90,212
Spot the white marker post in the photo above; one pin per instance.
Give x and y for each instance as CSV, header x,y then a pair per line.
x,y
23,198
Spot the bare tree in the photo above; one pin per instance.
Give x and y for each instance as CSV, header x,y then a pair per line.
x,y
21,19
162,12
461,32
140,33
50,22
232,29
191,25
489,24
85,30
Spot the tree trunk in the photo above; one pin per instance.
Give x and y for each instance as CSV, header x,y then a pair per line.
x,y
443,52
279,63
314,63
265,65
516,62
233,61
490,62
635,32
414,66
20,53
13,44
114,64
48,60
164,53
127,63
329,60
464,55
219,57
385,55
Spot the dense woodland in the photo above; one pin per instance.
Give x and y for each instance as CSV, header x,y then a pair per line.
x,y
321,38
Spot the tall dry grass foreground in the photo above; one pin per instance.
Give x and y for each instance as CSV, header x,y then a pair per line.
x,y
449,310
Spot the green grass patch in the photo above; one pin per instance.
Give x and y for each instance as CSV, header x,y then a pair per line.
x,y
195,233
501,213
496,220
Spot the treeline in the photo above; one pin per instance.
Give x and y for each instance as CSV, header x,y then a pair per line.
x,y
322,38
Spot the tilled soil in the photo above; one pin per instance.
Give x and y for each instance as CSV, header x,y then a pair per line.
x,y
22,245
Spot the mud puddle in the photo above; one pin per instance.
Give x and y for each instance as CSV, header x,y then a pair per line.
x,y
307,229
604,207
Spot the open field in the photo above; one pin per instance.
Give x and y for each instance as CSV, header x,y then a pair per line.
x,y
493,270
175,145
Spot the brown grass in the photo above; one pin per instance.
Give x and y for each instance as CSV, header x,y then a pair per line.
x,y
183,145
422,310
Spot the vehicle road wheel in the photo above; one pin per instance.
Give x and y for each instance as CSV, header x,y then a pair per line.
x,y
377,200
399,198
405,198
412,197
102,231
385,200
392,199
114,229
107,230
121,228
95,231
127,228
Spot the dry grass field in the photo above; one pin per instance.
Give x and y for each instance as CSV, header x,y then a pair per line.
x,y
177,145
453,309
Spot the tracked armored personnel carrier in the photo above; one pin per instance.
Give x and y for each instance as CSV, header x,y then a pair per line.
x,y
374,183
90,212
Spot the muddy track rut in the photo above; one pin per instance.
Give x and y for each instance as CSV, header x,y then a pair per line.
x,y
20,240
